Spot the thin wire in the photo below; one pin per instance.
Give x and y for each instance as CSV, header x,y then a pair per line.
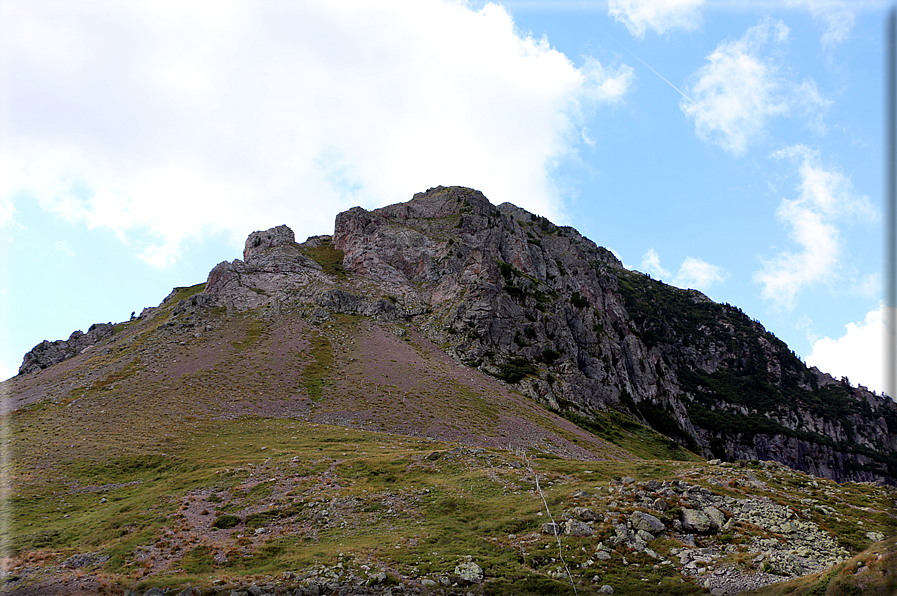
x,y
555,528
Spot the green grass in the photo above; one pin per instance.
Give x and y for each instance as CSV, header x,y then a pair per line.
x,y
436,504
636,438
329,258
253,332
317,371
182,292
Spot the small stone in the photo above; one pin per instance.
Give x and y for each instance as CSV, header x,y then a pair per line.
x,y
606,589
551,528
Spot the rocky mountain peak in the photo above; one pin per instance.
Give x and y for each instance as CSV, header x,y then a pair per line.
x,y
259,242
558,318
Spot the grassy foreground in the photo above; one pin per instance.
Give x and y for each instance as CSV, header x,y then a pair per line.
x,y
265,500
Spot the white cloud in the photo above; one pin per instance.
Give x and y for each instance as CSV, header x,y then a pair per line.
x,y
743,86
651,264
826,197
835,17
698,274
858,354
693,273
659,15
167,121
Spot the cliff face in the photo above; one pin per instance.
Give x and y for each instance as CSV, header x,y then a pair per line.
x,y
558,317
547,310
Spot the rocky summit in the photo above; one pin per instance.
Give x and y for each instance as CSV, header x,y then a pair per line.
x,y
443,396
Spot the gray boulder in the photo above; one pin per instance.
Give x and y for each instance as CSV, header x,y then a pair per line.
x,y
575,527
469,572
585,514
647,522
694,520
716,517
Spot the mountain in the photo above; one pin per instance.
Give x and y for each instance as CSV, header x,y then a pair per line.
x,y
389,394
559,319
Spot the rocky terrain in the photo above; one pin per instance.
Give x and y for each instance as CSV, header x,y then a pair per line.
x,y
368,412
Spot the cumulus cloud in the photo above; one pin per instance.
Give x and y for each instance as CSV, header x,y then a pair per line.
x,y
699,274
744,85
825,197
164,123
651,264
693,273
659,15
858,354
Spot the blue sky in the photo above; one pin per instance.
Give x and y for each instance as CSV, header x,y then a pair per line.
x,y
732,147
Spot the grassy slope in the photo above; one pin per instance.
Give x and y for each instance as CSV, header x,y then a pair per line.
x,y
173,434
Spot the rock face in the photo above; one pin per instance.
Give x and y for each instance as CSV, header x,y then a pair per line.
x,y
48,353
548,311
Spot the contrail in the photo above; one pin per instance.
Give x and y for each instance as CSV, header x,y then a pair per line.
x,y
663,78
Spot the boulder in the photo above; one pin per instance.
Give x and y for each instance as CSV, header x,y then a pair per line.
x,y
585,514
575,527
716,517
469,572
694,520
647,522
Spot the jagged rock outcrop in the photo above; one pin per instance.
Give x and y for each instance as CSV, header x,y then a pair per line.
x,y
48,353
548,311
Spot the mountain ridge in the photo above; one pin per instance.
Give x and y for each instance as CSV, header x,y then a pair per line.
x,y
557,317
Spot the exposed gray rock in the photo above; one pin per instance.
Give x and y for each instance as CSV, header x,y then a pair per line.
x,y
259,242
47,353
585,514
647,522
716,517
575,527
469,572
694,520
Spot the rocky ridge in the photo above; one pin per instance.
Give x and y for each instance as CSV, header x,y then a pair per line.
x,y
549,312
545,309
